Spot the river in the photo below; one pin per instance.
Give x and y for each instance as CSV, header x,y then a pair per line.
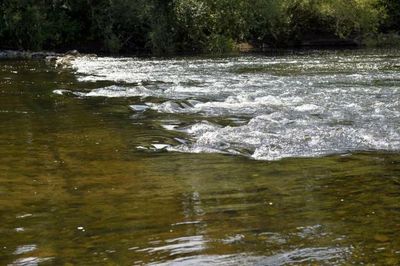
x,y
289,158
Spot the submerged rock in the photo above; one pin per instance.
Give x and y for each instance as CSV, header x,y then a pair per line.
x,y
160,146
73,53
66,59
139,107
381,238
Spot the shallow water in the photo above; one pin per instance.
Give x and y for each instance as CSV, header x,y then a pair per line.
x,y
124,161
266,108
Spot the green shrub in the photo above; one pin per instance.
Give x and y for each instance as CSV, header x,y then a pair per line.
x,y
168,26
219,44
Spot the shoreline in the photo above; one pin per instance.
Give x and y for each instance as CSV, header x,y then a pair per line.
x,y
242,49
25,54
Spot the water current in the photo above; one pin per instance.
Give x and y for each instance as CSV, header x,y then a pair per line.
x,y
263,107
287,158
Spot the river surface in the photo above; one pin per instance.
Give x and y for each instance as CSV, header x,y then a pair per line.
x,y
290,158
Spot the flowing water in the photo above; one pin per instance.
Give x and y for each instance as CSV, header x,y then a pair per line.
x,y
279,159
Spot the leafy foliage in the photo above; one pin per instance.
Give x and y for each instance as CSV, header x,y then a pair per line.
x,y
166,26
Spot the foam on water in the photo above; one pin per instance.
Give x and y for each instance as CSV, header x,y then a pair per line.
x,y
292,106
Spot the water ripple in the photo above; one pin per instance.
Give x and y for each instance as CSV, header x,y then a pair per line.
x,y
305,255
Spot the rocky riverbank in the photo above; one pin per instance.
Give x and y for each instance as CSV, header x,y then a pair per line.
x,y
59,59
12,54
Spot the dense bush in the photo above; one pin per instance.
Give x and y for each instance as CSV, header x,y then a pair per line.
x,y
166,26
392,21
